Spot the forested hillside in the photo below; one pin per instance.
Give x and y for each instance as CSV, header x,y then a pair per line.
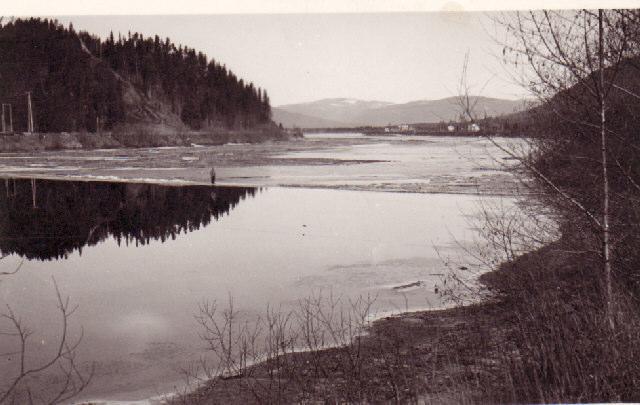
x,y
79,82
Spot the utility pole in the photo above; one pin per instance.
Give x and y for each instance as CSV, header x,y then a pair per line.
x,y
30,114
33,193
7,128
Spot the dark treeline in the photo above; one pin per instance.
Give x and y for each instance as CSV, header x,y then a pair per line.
x,y
69,90
70,215
80,82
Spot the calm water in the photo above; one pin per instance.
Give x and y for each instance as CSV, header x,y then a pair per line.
x,y
138,258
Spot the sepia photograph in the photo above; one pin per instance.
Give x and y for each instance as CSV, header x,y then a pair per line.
x,y
301,203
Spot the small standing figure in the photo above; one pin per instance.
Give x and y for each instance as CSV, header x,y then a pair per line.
x,y
213,175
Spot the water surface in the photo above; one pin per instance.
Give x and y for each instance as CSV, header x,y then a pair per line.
x,y
138,258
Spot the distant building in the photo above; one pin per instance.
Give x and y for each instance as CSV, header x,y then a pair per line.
x,y
404,127
474,127
451,128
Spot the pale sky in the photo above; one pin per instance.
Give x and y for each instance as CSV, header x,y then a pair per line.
x,y
395,57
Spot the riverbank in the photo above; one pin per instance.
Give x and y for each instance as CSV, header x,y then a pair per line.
x,y
445,356
136,136
534,341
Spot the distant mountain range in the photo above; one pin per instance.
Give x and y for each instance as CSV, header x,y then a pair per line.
x,y
292,119
347,112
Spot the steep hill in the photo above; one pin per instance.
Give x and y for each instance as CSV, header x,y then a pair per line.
x,y
80,83
351,113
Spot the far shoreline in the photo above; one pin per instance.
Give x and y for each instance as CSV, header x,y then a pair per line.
x,y
138,136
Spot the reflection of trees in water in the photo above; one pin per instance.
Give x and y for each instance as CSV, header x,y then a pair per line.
x,y
69,215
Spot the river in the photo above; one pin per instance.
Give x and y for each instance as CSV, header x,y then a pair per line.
x,y
139,246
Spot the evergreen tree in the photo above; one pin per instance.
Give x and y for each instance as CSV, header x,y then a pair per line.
x,y
71,76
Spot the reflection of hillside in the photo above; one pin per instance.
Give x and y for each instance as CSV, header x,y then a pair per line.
x,y
69,215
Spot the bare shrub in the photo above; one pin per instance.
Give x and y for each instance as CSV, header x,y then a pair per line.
x,y
53,380
314,350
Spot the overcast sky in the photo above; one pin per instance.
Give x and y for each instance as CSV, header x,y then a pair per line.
x,y
304,57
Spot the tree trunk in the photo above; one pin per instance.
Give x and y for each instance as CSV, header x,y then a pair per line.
x,y
605,180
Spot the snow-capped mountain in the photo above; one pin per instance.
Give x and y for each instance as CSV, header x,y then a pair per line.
x,y
349,112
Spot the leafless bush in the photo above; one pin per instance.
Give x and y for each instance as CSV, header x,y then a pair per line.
x,y
237,343
504,229
337,322
557,349
284,352
53,380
